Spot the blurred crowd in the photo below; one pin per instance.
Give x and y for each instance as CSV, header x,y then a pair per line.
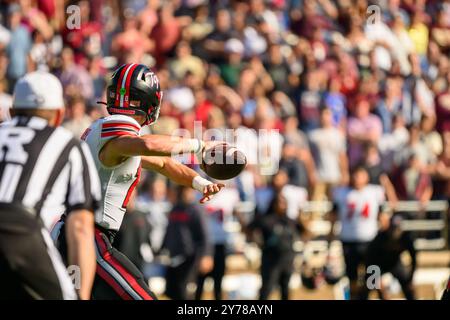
x,y
336,83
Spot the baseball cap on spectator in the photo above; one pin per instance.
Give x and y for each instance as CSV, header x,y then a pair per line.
x,y
253,42
182,98
234,45
38,90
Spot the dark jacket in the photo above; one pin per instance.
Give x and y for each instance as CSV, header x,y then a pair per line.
x,y
187,233
278,235
385,250
134,232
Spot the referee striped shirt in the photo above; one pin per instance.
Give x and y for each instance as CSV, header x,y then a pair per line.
x,y
46,169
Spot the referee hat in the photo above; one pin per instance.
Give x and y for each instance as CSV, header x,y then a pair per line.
x,y
38,90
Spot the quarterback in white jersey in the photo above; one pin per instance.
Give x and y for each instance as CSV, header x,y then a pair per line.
x,y
358,210
119,181
120,151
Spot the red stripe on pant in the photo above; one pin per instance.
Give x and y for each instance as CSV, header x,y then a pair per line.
x,y
112,283
106,255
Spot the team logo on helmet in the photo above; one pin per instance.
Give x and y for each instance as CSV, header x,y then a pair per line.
x,y
135,89
154,81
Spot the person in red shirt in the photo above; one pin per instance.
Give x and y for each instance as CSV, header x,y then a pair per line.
x,y
85,40
443,112
167,32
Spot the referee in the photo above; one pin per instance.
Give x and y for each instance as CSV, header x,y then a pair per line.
x,y
44,172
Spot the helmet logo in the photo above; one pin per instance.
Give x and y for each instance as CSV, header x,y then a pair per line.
x,y
122,91
153,79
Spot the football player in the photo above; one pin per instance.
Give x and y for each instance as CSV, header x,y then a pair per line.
x,y
120,151
358,208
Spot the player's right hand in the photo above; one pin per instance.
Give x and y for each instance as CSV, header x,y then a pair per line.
x,y
211,190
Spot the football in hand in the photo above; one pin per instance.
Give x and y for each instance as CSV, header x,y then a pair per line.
x,y
223,162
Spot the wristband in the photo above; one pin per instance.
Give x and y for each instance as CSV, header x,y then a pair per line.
x,y
199,183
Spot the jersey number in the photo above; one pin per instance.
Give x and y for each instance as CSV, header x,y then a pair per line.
x,y
352,207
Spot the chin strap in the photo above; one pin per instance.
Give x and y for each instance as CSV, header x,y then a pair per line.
x,y
150,117
128,112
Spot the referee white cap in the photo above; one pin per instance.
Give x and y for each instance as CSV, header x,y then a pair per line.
x,y
38,90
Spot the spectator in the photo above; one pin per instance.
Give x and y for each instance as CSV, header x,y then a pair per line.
x,y
167,31
358,209
430,136
131,44
188,244
330,156
419,32
310,101
416,147
377,174
278,69
385,252
441,171
85,40
390,104
270,140
277,233
412,181
363,128
295,196
156,205
336,102
295,168
219,210
19,46
77,119
185,63
443,110
230,70
74,77
215,41
390,143
133,237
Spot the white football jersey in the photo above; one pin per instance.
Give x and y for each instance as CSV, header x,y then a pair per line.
x,y
358,213
117,182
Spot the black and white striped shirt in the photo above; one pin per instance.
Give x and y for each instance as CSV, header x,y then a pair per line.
x,y
46,169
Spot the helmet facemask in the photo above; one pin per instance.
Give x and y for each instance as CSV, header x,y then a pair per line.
x,y
153,111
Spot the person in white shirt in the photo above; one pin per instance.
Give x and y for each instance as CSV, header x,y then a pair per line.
x,y
329,148
358,209
219,210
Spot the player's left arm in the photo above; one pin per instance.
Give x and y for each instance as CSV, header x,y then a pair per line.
x,y
389,189
181,174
